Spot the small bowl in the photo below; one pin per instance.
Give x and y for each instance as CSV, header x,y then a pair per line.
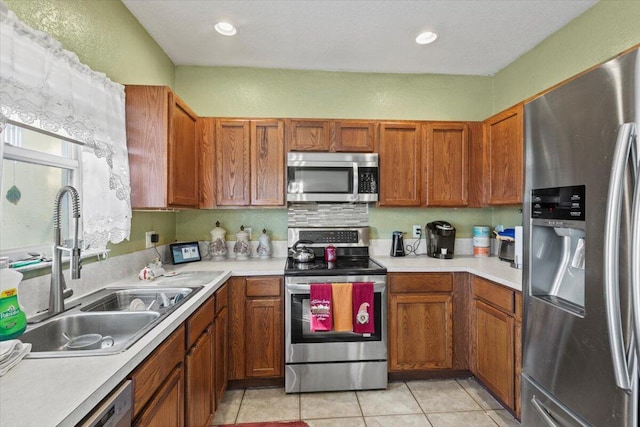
x,y
90,342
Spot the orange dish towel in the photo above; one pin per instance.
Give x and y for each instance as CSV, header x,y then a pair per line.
x,y
342,307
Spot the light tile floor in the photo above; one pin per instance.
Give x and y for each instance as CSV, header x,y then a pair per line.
x,y
433,403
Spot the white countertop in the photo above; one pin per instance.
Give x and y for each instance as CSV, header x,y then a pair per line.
x,y
62,391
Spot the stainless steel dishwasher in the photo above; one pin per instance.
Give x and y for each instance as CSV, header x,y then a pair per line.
x,y
115,411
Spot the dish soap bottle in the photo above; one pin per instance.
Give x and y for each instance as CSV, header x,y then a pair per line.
x,y
13,321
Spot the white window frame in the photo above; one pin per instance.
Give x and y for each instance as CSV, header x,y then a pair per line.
x,y
25,155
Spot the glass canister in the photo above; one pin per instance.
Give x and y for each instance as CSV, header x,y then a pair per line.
x,y
218,245
242,249
264,245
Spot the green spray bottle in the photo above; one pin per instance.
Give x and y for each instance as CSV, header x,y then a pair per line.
x,y
13,321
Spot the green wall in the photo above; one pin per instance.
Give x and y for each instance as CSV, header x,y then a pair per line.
x,y
608,28
259,92
106,37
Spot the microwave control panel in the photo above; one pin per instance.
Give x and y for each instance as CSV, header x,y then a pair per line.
x,y
567,203
367,180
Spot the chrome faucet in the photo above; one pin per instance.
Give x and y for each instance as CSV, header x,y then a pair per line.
x,y
58,291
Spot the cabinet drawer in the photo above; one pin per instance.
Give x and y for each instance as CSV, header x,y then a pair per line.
x,y
148,378
421,282
222,298
494,294
198,322
263,286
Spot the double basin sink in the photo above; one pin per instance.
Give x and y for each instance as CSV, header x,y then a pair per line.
x,y
123,314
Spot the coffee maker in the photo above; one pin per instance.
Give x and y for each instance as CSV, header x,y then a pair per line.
x,y
441,239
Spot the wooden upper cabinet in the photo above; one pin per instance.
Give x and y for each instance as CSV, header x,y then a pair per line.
x,y
308,135
447,146
267,163
503,139
354,136
205,134
232,162
163,150
400,163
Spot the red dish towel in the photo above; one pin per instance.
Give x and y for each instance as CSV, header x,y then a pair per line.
x,y
363,322
320,305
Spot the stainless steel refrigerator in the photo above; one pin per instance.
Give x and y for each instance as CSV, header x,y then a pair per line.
x,y
582,250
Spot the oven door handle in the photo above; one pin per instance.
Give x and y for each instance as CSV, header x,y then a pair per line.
x,y
306,287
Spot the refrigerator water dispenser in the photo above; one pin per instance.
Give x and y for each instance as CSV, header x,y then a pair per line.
x,y
558,247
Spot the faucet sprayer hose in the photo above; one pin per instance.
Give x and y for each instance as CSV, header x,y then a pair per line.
x,y
75,204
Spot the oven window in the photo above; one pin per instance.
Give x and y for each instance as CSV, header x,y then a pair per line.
x,y
301,330
306,180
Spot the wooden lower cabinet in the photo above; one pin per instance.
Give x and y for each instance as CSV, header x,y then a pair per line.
x,y
256,328
198,383
158,384
166,409
422,335
428,323
495,339
221,344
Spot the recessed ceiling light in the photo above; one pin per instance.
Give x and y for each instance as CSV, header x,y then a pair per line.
x,y
426,37
225,28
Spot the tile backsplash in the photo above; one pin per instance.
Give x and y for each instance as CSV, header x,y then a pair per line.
x,y
328,215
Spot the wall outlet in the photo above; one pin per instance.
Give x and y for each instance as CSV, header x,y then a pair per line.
x,y
417,231
147,239
248,230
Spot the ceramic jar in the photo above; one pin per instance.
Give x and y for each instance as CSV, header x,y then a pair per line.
x,y
218,245
242,249
264,245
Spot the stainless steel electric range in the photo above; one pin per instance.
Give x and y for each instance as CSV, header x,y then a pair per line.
x,y
329,360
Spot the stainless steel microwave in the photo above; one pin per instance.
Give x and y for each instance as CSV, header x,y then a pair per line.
x,y
332,177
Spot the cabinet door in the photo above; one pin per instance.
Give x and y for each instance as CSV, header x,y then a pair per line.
x,y
504,157
147,132
308,135
198,387
183,154
205,133
167,407
236,360
263,337
232,162
420,332
221,353
400,152
447,164
354,136
493,350
267,163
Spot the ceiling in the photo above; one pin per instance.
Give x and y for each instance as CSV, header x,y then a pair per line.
x,y
476,37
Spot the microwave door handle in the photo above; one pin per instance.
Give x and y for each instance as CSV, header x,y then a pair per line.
x,y
355,182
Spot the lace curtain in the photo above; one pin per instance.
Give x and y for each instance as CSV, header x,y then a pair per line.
x,y
46,86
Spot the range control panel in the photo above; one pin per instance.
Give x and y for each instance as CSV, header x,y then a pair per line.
x,y
566,203
330,236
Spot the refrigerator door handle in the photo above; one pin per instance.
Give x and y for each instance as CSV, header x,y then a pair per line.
x,y
635,237
611,257
543,412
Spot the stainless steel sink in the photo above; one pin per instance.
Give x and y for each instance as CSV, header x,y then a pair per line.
x,y
122,327
156,299
106,312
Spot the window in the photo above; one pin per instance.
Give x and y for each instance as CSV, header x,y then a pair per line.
x,y
35,166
